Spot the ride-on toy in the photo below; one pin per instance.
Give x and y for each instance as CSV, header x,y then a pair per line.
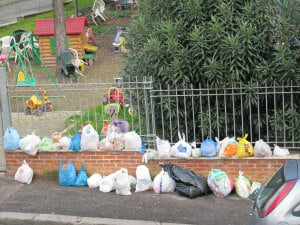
x,y
38,106
114,95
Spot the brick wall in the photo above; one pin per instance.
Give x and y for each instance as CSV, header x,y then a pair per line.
x,y
45,164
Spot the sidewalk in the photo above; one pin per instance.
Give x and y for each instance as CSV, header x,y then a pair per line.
x,y
45,202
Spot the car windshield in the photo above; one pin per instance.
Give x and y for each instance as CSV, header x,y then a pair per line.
x,y
270,188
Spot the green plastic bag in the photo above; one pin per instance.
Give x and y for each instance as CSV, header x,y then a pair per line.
x,y
46,144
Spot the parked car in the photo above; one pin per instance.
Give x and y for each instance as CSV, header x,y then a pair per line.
x,y
278,202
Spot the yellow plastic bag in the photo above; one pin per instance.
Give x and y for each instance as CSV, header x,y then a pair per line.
x,y
245,148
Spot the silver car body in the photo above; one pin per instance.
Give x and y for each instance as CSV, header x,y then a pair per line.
x,y
287,212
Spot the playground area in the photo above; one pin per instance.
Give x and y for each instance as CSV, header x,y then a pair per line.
x,y
106,67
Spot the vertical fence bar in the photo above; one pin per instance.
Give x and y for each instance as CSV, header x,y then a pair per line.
x,y
233,111
250,120
201,112
242,110
193,113
293,118
177,110
267,117
185,114
283,116
161,110
258,110
171,127
225,113
275,113
146,106
217,111
209,110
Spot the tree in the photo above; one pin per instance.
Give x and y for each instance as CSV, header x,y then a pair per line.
x,y
221,42
216,44
59,32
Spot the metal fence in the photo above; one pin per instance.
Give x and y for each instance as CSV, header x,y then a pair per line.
x,y
73,104
269,113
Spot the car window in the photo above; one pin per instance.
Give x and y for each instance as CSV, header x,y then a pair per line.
x,y
276,181
296,211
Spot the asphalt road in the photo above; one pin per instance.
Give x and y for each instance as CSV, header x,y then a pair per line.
x,y
10,13
48,197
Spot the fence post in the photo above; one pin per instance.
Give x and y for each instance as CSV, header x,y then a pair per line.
x,y
4,99
5,116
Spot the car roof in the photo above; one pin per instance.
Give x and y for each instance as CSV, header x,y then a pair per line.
x,y
292,169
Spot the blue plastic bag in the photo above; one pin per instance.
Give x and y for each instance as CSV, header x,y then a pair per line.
x,y
75,142
67,176
81,179
11,139
208,148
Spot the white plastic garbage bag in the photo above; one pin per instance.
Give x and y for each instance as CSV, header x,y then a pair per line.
x,y
65,142
143,179
242,186
106,184
163,183
181,149
163,148
122,183
133,141
221,145
280,151
89,138
262,149
29,144
94,180
24,174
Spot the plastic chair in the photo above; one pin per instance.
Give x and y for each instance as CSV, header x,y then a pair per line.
x,y
76,61
5,44
68,69
98,11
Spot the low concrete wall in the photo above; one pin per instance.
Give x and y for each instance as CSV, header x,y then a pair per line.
x,y
45,164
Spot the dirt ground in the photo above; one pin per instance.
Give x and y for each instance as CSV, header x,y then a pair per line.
x,y
109,63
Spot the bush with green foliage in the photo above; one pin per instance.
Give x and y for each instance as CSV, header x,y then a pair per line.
x,y
218,44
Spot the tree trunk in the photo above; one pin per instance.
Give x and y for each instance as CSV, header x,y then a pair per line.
x,y
59,32
76,7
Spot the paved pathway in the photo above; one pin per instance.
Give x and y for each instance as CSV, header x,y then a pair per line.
x,y
20,8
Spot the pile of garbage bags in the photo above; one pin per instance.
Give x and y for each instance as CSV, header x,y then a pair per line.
x,y
118,137
229,147
171,178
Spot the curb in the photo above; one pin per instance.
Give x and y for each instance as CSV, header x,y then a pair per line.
x,y
15,218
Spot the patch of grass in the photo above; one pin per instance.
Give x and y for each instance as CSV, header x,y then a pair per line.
x,y
104,29
96,117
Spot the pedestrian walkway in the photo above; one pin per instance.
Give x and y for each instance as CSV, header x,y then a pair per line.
x,y
9,13
45,202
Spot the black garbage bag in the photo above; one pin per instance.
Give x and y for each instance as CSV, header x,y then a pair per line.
x,y
188,183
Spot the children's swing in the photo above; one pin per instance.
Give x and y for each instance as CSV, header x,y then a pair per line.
x,y
39,101
25,76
